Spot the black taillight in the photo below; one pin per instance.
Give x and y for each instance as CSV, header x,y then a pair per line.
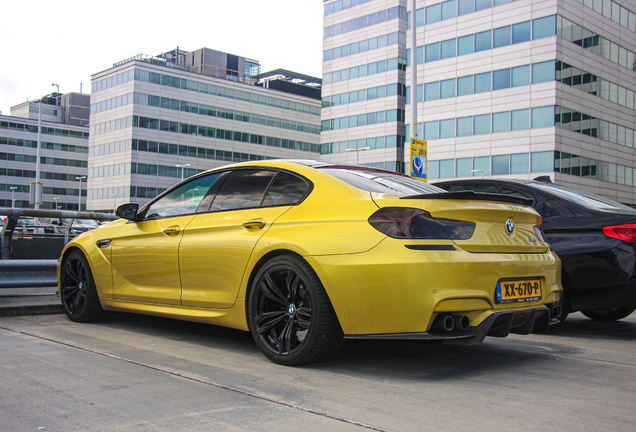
x,y
621,232
410,223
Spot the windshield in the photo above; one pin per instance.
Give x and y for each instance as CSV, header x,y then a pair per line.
x,y
585,199
86,222
382,181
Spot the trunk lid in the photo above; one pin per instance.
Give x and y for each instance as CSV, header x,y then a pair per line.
x,y
490,214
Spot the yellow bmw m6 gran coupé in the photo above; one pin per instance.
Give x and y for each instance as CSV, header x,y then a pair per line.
x,y
305,254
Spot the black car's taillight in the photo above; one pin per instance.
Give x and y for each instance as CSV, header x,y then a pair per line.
x,y
625,232
410,223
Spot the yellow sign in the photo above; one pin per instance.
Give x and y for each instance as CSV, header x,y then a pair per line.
x,y
419,159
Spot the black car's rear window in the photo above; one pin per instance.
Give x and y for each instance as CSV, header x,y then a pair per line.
x,y
382,181
585,199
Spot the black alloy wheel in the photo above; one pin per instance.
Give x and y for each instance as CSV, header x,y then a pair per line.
x,y
564,303
610,315
78,294
290,315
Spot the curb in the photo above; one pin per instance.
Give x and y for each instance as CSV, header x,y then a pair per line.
x,y
30,305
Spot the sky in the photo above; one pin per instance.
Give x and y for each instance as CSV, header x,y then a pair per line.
x,y
46,42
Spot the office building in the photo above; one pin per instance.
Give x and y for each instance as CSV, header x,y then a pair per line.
x,y
63,152
506,89
157,119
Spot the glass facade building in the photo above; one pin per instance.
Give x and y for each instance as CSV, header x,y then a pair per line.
x,y
505,88
155,120
63,157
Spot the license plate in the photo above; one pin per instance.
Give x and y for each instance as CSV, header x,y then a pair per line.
x,y
513,291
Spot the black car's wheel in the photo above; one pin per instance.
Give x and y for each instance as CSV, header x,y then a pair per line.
x,y
290,315
608,315
565,310
78,293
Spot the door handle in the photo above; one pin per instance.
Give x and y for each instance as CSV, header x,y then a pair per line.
x,y
172,231
257,223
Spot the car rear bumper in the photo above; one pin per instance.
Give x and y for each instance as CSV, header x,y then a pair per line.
x,y
499,324
393,289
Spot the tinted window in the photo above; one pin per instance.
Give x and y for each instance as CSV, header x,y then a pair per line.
x,y
382,182
286,189
513,192
242,189
183,200
581,198
474,188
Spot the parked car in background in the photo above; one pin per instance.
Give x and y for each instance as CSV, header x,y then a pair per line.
x,y
594,237
78,225
28,225
304,254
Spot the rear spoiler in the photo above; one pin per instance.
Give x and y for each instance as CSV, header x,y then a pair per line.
x,y
474,196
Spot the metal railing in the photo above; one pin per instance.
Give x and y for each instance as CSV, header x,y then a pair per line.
x,y
13,215
28,273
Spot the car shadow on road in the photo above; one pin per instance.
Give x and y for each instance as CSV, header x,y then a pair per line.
x,y
183,331
394,359
579,326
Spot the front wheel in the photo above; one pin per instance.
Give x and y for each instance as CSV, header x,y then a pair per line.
x,y
610,315
77,287
290,315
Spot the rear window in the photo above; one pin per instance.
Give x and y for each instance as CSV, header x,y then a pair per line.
x,y
585,199
382,182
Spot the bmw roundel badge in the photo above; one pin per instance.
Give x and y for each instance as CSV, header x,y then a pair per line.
x,y
510,226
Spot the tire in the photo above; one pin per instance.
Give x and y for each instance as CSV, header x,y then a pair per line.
x,y
78,293
290,316
565,308
564,301
610,315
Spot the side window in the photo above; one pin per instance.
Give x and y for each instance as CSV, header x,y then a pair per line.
x,y
183,200
243,189
286,189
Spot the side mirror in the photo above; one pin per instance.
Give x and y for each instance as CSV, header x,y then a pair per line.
x,y
127,211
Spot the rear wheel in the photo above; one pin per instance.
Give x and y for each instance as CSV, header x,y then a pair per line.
x,y
564,304
608,315
290,315
78,293
564,301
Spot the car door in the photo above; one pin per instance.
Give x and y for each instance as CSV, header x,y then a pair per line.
x,y
145,259
217,245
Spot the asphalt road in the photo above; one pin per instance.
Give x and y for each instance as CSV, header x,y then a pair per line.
x,y
150,374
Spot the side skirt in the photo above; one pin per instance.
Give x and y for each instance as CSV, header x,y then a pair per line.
x,y
233,317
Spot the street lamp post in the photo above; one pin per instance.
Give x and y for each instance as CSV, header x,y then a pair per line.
x,y
182,167
478,171
13,188
358,152
79,195
55,199
114,202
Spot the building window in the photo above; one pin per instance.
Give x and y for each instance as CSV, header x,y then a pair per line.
x,y
521,76
543,72
543,117
501,164
520,119
519,163
542,162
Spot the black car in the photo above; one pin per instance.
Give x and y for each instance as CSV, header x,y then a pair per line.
x,y
595,238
